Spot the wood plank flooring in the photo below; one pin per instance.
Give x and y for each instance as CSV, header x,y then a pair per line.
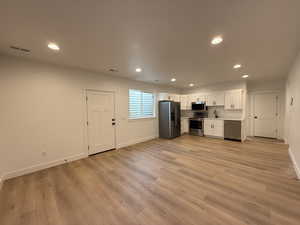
x,y
187,181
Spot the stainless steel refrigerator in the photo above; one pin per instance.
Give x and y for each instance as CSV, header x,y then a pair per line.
x,y
169,119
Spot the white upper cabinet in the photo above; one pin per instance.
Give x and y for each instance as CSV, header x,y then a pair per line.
x,y
231,99
185,102
193,98
198,98
234,100
163,96
175,98
168,96
215,99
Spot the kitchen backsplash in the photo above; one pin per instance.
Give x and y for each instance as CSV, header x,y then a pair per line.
x,y
220,112
224,113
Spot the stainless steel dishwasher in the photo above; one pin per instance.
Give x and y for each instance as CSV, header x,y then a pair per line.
x,y
233,130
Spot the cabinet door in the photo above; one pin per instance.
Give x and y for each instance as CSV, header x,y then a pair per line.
x,y
220,98
201,98
218,127
215,99
208,130
182,126
163,96
228,100
172,97
176,98
237,99
193,98
186,125
233,100
188,102
183,102
211,100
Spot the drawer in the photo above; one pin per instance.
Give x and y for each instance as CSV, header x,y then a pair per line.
x,y
218,123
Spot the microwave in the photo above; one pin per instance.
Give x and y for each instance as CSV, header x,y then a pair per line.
x,y
199,106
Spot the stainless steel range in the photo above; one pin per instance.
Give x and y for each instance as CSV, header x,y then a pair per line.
x,y
196,123
196,126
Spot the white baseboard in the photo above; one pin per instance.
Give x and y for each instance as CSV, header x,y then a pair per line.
x,y
297,169
42,166
135,141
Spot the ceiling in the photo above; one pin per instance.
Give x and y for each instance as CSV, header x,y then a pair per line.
x,y
166,38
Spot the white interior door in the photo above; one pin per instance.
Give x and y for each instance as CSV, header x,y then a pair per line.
x,y
101,121
265,115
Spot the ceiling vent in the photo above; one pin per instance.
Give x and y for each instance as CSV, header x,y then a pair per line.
x,y
18,50
113,70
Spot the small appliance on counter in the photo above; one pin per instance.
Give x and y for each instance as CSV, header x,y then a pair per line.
x,y
169,119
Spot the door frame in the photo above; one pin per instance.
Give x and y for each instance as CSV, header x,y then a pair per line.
x,y
85,124
250,113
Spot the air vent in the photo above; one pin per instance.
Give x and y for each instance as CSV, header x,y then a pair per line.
x,y
24,50
113,70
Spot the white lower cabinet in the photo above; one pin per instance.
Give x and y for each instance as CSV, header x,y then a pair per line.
x,y
215,99
184,125
214,127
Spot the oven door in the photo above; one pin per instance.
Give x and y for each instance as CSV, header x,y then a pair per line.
x,y
196,127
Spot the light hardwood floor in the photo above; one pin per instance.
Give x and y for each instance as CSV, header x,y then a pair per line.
x,y
188,181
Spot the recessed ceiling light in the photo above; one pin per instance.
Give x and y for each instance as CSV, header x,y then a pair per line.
x,y
237,66
216,40
138,70
245,76
191,85
173,79
53,46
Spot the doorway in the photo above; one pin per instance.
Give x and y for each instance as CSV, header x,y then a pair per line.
x,y
265,115
100,121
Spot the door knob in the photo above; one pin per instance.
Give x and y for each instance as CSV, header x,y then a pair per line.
x,y
255,117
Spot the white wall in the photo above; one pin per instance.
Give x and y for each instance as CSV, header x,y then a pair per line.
x,y
276,86
223,86
43,108
293,113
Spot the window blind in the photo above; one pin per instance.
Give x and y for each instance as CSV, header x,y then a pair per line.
x,y
141,104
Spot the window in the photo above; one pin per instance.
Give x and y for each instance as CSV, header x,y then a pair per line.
x,y
141,104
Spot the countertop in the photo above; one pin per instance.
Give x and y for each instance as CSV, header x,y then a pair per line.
x,y
212,118
236,119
